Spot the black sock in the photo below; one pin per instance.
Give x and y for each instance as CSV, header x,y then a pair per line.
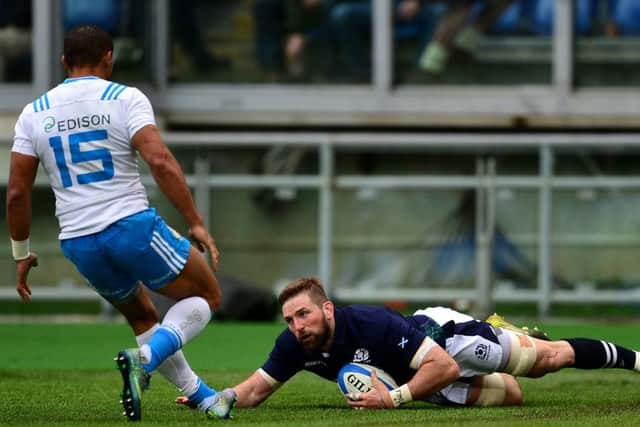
x,y
596,354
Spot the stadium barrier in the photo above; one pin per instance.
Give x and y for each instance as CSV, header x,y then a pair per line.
x,y
485,182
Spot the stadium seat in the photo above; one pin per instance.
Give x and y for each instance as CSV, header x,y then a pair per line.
x,y
408,30
626,15
422,25
509,22
103,13
542,15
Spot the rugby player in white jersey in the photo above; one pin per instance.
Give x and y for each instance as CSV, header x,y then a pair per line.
x,y
86,132
436,354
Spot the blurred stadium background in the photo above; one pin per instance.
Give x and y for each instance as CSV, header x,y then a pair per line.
x,y
511,178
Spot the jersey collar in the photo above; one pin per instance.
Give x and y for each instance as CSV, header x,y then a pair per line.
x,y
75,79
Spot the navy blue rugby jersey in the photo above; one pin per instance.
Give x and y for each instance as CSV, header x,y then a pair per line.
x,y
373,335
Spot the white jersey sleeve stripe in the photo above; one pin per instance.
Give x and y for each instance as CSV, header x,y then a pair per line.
x,y
40,103
46,100
106,91
115,89
119,91
112,90
35,106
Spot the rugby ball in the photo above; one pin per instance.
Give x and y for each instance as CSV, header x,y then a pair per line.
x,y
356,378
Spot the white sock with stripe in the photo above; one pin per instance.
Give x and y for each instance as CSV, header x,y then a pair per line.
x,y
175,368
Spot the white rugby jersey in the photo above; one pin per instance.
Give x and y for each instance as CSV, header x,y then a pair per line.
x,y
81,132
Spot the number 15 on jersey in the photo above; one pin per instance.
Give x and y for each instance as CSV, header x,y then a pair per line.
x,y
78,156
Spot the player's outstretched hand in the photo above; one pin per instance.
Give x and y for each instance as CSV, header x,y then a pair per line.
x,y
203,241
376,398
184,400
22,272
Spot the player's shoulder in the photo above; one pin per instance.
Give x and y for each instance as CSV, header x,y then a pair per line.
x,y
367,312
41,103
370,320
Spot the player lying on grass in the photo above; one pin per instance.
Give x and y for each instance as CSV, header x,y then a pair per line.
x,y
437,354
87,133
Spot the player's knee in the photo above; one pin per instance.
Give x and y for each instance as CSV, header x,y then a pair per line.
x,y
213,296
200,281
497,390
513,395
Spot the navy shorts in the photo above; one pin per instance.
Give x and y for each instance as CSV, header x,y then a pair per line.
x,y
137,248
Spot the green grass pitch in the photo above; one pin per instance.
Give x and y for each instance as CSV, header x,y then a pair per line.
x,y
64,375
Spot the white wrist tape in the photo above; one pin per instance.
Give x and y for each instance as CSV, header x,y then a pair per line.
x,y
401,395
20,249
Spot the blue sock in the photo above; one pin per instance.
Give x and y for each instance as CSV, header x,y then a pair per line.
x,y
203,392
163,343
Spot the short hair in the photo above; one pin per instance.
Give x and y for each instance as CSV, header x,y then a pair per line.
x,y
86,45
311,285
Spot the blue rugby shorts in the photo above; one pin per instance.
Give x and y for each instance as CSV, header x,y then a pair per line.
x,y
137,248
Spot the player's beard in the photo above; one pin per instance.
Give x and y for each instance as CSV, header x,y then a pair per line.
x,y
314,341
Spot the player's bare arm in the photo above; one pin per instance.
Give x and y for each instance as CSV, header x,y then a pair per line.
x,y
169,176
436,370
22,174
255,389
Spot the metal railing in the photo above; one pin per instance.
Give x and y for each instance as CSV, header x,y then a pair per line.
x,y
485,182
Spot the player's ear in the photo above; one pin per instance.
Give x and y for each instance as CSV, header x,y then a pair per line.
x,y
328,309
63,61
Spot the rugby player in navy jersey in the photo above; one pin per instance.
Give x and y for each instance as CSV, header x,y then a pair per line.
x,y
437,354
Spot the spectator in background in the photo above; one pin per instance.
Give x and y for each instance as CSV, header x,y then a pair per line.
x,y
15,40
286,29
454,32
351,25
189,34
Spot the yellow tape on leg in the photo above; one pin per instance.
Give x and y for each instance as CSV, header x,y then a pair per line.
x,y
493,391
522,356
